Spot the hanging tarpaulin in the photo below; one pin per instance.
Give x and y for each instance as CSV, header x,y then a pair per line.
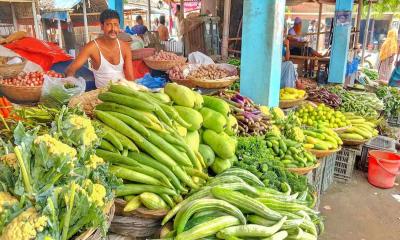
x,y
60,15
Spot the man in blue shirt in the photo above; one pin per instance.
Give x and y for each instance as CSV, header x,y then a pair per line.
x,y
139,28
395,78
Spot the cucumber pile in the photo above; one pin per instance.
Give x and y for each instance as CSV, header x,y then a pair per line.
x,y
360,129
236,205
322,138
161,144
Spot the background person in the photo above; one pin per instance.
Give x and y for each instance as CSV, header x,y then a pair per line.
x,y
387,56
139,28
294,35
162,29
288,71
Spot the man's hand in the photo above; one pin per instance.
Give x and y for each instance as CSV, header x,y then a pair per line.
x,y
286,42
79,61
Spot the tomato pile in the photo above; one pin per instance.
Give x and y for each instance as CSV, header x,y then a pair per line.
x,y
30,79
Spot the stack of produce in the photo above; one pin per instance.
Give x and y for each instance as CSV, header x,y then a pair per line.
x,y
251,119
291,94
360,130
155,147
321,116
53,186
30,79
322,95
234,62
291,153
391,100
165,56
361,103
255,156
209,72
236,205
177,72
372,74
322,138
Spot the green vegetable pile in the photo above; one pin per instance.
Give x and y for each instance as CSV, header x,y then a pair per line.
x,y
391,100
52,185
371,74
236,205
364,104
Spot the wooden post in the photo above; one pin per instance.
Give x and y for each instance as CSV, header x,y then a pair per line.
x,y
182,9
149,14
358,22
59,33
365,40
14,17
85,23
319,25
35,21
225,31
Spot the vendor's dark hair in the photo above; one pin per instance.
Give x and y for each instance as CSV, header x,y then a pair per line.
x,y
178,7
109,14
162,19
138,18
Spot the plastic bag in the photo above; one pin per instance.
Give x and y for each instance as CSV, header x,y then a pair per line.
x,y
57,92
152,82
199,58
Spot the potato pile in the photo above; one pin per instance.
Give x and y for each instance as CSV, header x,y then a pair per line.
x,y
165,56
210,71
177,72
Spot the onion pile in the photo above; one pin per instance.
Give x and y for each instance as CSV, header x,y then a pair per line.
x,y
30,79
165,56
177,72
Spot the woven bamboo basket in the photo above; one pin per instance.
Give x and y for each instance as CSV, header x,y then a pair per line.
x,y
353,142
291,103
323,153
140,223
11,70
95,234
304,171
163,65
207,84
21,93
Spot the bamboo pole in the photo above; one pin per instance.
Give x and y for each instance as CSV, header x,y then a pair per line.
x,y
225,31
366,32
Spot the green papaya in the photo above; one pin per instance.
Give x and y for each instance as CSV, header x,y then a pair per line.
x,y
207,153
219,165
216,104
232,125
233,159
198,102
181,95
193,140
213,120
223,145
190,116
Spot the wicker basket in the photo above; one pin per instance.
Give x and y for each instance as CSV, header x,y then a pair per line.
x,y
11,70
163,65
21,93
352,142
303,171
291,103
142,53
95,234
323,153
208,84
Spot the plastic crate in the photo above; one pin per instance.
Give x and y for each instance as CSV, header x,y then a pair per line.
x,y
394,121
344,164
328,171
317,175
378,143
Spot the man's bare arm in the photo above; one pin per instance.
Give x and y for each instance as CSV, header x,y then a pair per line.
x,y
79,61
128,68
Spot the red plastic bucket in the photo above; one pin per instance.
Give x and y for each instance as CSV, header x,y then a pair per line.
x,y
383,167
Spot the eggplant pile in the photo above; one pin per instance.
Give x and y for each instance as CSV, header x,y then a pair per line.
x,y
322,95
251,121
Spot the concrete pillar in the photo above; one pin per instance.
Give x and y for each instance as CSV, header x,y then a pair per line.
x,y
261,59
117,5
340,44
85,22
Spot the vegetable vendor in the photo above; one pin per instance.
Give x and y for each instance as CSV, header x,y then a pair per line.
x,y
395,78
111,60
288,71
387,55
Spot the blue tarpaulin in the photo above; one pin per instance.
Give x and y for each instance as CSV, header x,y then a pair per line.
x,y
60,8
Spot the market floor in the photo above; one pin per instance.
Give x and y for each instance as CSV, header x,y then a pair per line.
x,y
359,211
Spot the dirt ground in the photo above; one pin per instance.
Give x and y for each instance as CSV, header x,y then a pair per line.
x,y
359,211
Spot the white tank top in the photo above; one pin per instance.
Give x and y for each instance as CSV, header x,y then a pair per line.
x,y
108,72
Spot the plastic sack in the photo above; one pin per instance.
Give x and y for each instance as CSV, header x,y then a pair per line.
x,y
199,58
152,82
57,92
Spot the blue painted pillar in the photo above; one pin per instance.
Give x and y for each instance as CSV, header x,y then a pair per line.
x,y
261,59
117,5
340,43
